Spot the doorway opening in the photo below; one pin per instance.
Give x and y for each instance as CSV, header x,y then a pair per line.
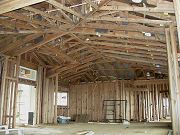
x,y
26,97
25,104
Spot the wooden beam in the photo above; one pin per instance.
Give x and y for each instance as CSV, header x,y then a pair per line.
x,y
22,17
40,61
62,69
132,46
56,92
117,27
74,75
177,13
73,72
59,5
160,9
15,24
60,53
174,79
37,11
18,43
129,41
142,53
53,2
28,64
47,39
120,34
10,5
137,55
92,4
123,58
129,69
68,18
84,44
3,85
17,66
130,20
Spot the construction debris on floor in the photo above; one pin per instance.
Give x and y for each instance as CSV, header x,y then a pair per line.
x,y
63,119
5,131
100,129
85,133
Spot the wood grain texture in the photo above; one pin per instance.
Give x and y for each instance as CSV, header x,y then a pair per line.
x,y
88,99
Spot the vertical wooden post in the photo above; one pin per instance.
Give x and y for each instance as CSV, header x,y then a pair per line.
x,y
44,97
117,98
157,102
3,81
55,106
173,79
177,13
39,94
11,91
15,91
149,104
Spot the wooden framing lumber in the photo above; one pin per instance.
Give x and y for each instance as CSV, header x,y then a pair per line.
x,y
92,4
59,5
173,78
56,91
9,87
25,18
15,91
130,20
69,43
131,91
3,81
18,43
59,52
167,9
46,39
177,13
45,14
10,5
39,89
133,27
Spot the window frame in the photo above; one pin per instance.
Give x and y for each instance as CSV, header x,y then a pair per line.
x,y
66,99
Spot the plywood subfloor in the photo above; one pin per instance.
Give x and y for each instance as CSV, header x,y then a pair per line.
x,y
100,129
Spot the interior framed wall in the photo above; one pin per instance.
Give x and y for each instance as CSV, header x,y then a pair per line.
x,y
63,110
144,99
8,90
25,104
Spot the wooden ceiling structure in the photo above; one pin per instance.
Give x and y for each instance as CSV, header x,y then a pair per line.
x,y
88,40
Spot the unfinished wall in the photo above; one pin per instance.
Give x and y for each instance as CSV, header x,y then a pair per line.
x,y
46,93
146,99
9,69
63,110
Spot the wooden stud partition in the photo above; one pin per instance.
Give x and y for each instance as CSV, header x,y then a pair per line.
x,y
9,86
174,78
147,100
63,110
3,67
46,92
177,13
143,99
39,91
49,104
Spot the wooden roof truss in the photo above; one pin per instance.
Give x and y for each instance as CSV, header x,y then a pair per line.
x,y
87,40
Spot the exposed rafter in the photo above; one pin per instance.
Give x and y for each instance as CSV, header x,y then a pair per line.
x,y
10,5
70,40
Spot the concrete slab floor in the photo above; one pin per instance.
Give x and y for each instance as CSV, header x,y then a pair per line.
x,y
100,129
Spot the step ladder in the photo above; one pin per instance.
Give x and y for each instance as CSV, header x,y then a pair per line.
x,y
114,110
